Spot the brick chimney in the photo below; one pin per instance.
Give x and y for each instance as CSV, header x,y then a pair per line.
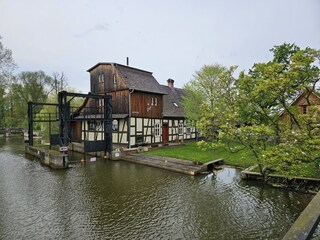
x,y
170,83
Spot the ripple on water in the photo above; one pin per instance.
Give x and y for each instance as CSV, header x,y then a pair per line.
x,y
119,200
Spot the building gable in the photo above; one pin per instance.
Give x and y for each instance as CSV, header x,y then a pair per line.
x,y
302,102
109,77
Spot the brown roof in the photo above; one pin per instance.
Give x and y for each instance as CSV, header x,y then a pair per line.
x,y
139,80
135,79
172,106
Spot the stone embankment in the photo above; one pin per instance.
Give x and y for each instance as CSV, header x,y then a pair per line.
x,y
53,159
309,185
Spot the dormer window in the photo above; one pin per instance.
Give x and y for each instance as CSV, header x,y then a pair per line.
x,y
114,79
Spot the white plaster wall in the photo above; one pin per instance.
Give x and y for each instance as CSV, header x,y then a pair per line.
x,y
124,138
148,139
139,124
115,137
91,136
132,140
122,125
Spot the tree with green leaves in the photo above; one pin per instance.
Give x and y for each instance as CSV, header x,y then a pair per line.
x,y
29,86
7,66
250,119
210,90
33,86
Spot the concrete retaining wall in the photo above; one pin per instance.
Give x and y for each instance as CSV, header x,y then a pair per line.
x,y
307,222
311,185
53,159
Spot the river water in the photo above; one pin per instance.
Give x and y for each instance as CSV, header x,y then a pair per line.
x,y
120,200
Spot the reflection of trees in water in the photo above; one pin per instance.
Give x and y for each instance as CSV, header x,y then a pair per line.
x,y
117,199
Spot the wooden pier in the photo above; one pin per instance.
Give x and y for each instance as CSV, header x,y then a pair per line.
x,y
173,164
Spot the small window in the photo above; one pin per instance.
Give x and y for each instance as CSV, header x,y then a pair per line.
x,y
157,130
91,125
139,139
188,127
101,78
154,101
304,109
114,79
180,128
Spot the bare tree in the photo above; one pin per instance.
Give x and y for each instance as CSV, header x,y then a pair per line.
x,y
59,82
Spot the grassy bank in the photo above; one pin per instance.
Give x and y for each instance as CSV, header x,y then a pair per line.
x,y
242,159
190,151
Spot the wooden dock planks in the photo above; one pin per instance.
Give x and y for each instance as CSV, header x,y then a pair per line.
x,y
172,164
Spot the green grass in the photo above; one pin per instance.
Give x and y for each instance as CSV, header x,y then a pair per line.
x,y
242,159
190,151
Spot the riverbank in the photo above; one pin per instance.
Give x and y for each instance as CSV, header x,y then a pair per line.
x,y
243,159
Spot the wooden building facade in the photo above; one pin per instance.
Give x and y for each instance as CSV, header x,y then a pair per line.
x,y
303,103
143,111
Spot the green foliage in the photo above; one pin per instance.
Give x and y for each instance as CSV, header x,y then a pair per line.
x,y
194,152
207,88
204,151
7,66
51,112
32,86
243,114
191,103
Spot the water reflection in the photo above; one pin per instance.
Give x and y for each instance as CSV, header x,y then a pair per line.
x,y
118,200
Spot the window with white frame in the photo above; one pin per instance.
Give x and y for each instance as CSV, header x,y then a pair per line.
x,y
188,127
157,130
180,128
154,101
101,78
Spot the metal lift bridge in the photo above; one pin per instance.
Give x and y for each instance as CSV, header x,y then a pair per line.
x,y
99,110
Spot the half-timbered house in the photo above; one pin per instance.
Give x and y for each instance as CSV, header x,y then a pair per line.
x,y
143,111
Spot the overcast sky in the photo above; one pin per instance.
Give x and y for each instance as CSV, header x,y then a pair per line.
x,y
171,38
